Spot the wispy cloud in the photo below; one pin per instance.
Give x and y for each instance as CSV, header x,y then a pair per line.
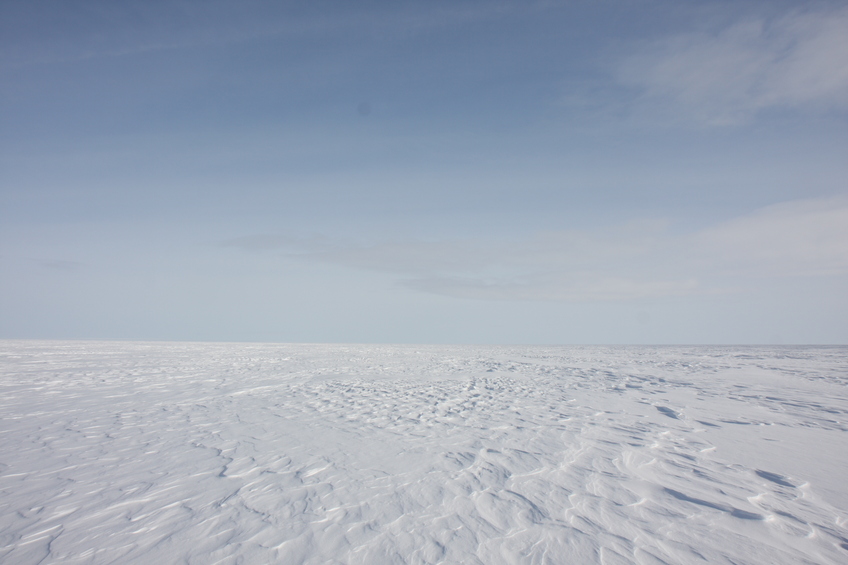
x,y
636,261
106,29
61,265
798,61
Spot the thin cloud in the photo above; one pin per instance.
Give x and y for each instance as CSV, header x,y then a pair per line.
x,y
798,238
799,61
640,260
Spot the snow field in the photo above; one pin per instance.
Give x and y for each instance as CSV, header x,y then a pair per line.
x,y
264,453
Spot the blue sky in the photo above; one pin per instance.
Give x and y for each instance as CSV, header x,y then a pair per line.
x,y
442,172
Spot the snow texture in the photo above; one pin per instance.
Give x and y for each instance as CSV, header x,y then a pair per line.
x,y
327,454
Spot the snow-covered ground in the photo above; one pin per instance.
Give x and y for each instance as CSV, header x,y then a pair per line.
x,y
260,453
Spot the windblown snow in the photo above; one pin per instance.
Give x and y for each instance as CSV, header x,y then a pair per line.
x,y
328,454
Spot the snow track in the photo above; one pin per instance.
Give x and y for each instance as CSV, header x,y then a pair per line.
x,y
248,453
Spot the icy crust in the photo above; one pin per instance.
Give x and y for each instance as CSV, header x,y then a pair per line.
x,y
234,453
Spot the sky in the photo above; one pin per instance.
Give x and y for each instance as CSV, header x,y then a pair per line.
x,y
548,172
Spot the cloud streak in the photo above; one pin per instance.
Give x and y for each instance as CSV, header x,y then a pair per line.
x,y
641,260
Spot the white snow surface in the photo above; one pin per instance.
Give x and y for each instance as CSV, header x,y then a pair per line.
x,y
119,452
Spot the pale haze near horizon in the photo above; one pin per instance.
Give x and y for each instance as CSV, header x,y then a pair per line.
x,y
440,172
